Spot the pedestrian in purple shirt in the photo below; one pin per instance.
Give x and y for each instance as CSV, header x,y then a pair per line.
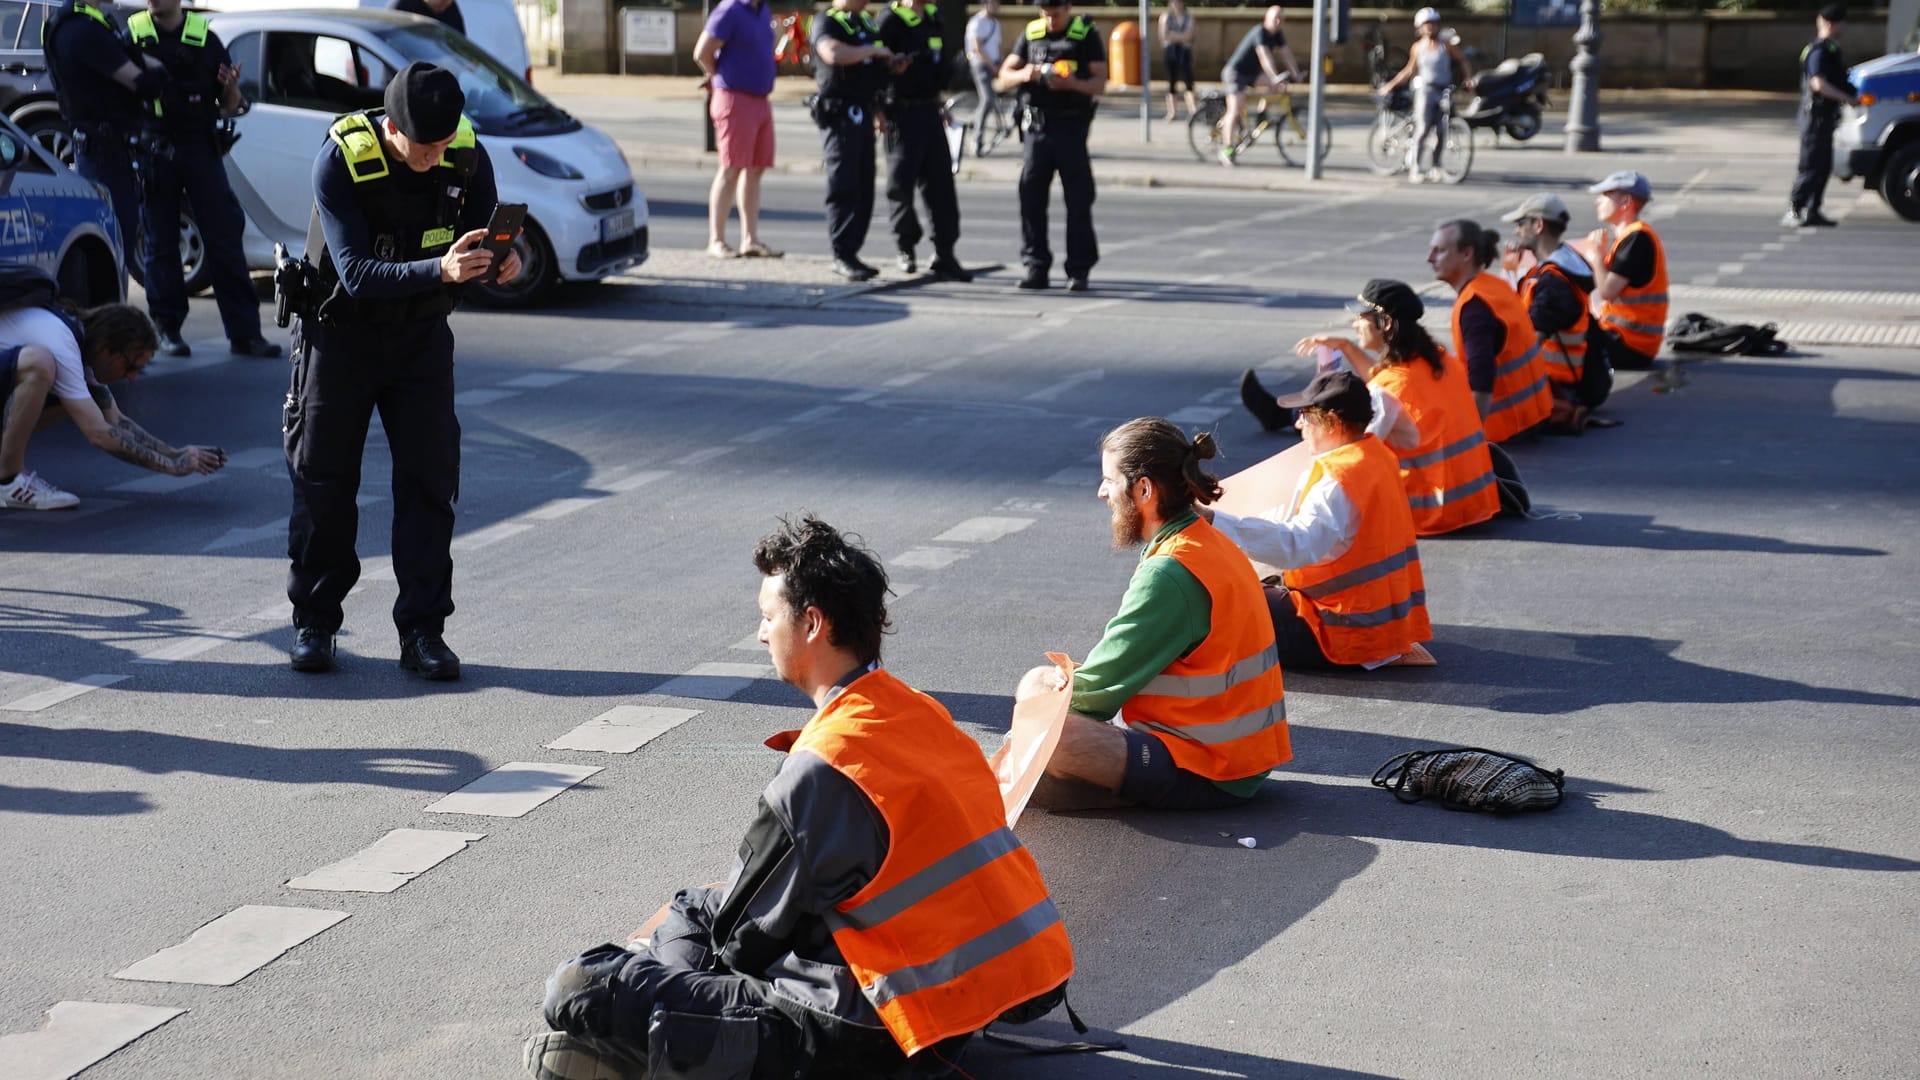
x,y
735,51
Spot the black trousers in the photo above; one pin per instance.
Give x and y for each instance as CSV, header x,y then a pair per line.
x,y
405,371
1061,147
1299,649
847,149
106,162
195,169
917,157
1816,158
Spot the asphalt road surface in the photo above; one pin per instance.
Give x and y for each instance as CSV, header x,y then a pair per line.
x,y
1713,630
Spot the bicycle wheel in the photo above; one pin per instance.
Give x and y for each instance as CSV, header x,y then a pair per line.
x,y
1290,135
1456,157
1203,130
1387,142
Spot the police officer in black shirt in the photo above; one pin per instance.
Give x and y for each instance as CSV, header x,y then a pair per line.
x,y
849,65
1823,89
917,153
102,83
447,12
1061,66
402,198
203,86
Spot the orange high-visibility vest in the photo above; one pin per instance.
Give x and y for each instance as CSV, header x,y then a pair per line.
x,y
1639,315
957,927
1220,709
1370,602
1521,398
1565,353
1448,476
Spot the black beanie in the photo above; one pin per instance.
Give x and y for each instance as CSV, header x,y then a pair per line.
x,y
424,102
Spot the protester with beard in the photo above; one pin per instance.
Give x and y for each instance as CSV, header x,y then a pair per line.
x,y
1180,705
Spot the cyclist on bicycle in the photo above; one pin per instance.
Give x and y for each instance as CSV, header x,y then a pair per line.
x,y
1251,67
1430,64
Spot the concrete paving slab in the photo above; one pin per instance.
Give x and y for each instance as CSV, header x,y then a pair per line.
x,y
76,1035
623,729
513,789
233,946
387,863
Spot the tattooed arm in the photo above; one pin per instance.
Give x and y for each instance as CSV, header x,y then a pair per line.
x,y
105,426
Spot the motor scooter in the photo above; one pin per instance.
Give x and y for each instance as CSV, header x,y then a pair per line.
x,y
1510,97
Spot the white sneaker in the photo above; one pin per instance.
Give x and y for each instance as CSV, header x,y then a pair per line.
x,y
29,492
1415,176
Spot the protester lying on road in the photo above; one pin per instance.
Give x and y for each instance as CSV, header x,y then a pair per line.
x,y
1492,335
1351,592
1180,705
879,911
55,365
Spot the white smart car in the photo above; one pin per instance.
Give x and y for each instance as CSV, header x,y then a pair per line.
x,y
585,219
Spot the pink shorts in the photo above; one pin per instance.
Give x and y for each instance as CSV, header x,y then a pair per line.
x,y
743,129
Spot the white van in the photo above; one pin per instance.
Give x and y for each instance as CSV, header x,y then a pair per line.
x,y
493,25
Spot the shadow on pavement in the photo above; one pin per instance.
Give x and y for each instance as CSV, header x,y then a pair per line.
x,y
687,208
1145,1058
1639,531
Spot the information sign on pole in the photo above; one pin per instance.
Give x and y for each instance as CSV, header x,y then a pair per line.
x,y
646,32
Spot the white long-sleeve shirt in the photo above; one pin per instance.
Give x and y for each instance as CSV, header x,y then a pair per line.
x,y
1318,524
1390,422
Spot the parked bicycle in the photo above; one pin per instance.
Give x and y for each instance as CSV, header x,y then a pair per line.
x,y
1390,139
1002,122
1267,111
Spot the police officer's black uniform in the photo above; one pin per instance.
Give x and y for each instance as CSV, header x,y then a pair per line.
x,y
1058,121
84,49
186,118
377,338
843,109
1818,117
917,152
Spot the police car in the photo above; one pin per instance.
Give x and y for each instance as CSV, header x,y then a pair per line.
x,y
585,218
1879,141
53,219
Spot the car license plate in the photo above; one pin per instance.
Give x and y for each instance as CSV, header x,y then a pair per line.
x,y
616,226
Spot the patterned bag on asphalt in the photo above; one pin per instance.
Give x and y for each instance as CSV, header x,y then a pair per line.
x,y
1469,778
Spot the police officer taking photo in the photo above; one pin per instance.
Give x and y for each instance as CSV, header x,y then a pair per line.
x,y
402,198
917,153
203,87
1060,65
850,67
101,82
1823,90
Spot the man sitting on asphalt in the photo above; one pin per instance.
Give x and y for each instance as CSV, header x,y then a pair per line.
x,y
54,365
1556,291
879,912
1630,282
1180,705
1251,67
1492,334
1352,594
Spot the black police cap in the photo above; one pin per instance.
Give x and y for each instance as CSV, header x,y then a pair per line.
x,y
1834,13
425,101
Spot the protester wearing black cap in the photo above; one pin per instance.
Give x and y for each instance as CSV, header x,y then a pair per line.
x,y
401,202
1351,592
1060,65
1823,89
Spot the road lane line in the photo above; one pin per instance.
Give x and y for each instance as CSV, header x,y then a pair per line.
x,y
907,379
1199,414
490,535
278,612
540,380
185,648
513,789
928,558
387,863
233,946
597,365
640,479
702,456
760,434
818,412
1071,382
864,395
558,508
77,1034
485,396
717,681
162,484
65,691
240,537
983,530
623,729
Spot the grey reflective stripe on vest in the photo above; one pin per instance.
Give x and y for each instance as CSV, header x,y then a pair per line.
x,y
1641,298
1638,327
1006,937
1519,398
1206,686
942,873
1452,494
1381,617
1219,732
1373,571
1435,457
1518,362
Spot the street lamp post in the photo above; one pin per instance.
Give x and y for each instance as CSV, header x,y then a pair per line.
x,y
1583,113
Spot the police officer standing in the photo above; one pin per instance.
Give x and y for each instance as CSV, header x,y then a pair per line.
x,y
849,66
203,86
401,201
1061,65
101,82
917,152
1823,89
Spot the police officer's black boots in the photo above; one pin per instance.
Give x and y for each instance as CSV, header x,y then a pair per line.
x,y
312,650
908,264
172,344
1036,279
947,268
427,656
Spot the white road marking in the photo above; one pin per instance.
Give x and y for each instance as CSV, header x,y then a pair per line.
x,y
513,789
257,457
1199,414
238,537
492,534
1212,396
697,334
1730,269
864,395
185,648
233,946
387,863
623,729
716,681
597,365
1031,506
818,412
540,380
639,479
928,558
760,434
907,379
76,1035
279,612
702,456
376,570
161,484
1773,246
65,691
485,396
1086,476
559,508
1069,383
646,348
983,530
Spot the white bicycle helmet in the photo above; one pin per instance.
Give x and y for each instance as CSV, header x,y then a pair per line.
x,y
1424,16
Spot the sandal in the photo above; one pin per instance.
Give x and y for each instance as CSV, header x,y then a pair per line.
x,y
758,250
719,250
